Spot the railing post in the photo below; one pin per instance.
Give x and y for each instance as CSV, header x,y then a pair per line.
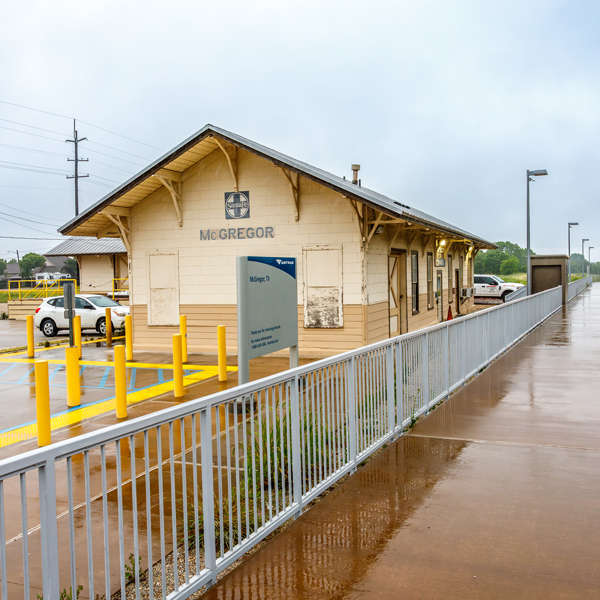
x,y
294,387
399,386
425,369
48,530
351,387
463,350
208,506
446,358
389,369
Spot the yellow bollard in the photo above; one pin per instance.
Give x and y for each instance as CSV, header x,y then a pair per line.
x,y
30,346
77,332
121,382
128,339
42,402
177,367
73,383
183,332
222,354
108,320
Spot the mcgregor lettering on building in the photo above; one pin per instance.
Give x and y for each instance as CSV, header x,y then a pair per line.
x,y
236,233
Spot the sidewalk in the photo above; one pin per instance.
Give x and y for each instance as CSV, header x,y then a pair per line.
x,y
496,494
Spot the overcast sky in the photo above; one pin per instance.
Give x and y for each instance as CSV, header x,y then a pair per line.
x,y
445,104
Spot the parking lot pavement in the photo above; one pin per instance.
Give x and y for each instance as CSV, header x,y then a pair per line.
x,y
150,389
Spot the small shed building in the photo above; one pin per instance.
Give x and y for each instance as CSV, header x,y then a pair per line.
x,y
102,263
369,266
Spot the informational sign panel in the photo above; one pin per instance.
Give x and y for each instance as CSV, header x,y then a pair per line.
x,y
267,301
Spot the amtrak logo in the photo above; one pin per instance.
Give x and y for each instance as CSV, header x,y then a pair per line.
x,y
237,205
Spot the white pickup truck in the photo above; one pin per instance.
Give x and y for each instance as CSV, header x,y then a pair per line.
x,y
491,286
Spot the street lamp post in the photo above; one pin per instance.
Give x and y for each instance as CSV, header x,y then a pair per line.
x,y
570,225
590,260
583,241
530,174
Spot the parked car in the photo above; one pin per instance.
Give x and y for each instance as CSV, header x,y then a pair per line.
x,y
50,316
491,286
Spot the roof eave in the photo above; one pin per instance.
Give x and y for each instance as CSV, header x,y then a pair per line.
x,y
210,130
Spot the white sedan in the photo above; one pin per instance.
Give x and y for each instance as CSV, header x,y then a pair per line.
x,y
491,286
50,316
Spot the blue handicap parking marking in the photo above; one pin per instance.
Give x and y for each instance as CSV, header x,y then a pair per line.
x,y
132,378
105,376
8,369
54,373
25,377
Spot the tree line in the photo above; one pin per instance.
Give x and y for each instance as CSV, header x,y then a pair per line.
x,y
510,258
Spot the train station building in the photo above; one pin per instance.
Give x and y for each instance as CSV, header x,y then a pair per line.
x,y
369,267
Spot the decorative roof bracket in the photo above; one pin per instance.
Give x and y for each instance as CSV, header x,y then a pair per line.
x,y
231,161
123,230
175,194
295,189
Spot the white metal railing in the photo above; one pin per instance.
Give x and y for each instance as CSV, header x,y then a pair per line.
x,y
578,285
191,488
519,293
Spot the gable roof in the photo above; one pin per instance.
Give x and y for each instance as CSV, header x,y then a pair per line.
x,y
77,246
13,269
202,143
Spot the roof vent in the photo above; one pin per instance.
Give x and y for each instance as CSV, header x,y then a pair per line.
x,y
403,205
355,170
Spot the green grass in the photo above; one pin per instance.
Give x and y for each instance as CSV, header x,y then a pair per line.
x,y
3,296
515,278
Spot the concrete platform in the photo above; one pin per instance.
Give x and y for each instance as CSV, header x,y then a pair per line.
x,y
496,494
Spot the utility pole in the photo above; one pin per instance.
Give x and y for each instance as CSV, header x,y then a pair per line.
x,y
75,141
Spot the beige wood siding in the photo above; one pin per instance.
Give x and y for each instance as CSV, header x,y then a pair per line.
x,y
96,273
378,323
202,322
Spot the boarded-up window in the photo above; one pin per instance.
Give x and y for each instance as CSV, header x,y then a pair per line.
x,y
323,288
163,293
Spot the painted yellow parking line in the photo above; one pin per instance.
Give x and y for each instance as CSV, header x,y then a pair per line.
x,y
79,414
58,346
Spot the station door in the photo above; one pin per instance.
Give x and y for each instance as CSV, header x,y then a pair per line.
x,y
397,293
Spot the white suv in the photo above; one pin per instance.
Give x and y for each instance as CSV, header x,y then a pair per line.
x,y
491,286
50,316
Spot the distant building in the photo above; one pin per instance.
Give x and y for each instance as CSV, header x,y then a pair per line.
x,y
369,267
51,270
13,271
102,263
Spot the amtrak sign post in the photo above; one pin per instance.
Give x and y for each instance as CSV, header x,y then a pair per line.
x,y
267,309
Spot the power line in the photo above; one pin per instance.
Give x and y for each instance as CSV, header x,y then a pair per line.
x,y
46,189
105,179
32,126
35,109
27,212
30,133
90,124
23,149
123,136
110,167
111,156
26,226
123,151
13,237
30,220
32,170
6,162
